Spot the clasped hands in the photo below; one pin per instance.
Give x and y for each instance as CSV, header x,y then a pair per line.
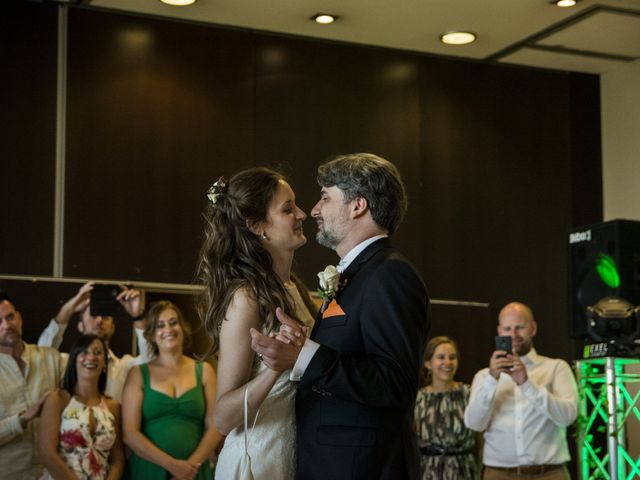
x,y
508,363
183,469
279,350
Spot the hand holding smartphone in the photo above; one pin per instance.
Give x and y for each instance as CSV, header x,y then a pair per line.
x,y
503,342
104,300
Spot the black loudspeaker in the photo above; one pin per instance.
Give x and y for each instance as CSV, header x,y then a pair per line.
x,y
604,261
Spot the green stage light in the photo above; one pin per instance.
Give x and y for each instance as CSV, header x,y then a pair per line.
x,y
607,270
597,459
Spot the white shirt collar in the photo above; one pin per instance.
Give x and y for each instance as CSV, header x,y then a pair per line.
x,y
531,358
355,251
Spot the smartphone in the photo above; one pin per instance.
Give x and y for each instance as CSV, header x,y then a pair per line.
x,y
103,300
503,342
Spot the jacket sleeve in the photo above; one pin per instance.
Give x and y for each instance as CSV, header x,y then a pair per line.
x,y
10,428
394,324
144,352
52,335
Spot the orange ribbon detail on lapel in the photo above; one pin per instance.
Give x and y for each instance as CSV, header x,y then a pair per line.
x,y
333,310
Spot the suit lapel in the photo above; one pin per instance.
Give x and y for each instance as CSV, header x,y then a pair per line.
x,y
363,258
352,270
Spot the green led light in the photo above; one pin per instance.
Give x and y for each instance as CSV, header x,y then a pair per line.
x,y
594,439
607,270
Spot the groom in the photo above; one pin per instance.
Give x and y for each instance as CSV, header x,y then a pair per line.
x,y
358,374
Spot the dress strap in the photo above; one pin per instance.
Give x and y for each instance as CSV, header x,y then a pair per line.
x,y
73,402
199,374
144,371
103,403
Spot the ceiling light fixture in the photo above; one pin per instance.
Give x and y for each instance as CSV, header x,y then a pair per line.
x,y
565,3
179,3
458,38
324,18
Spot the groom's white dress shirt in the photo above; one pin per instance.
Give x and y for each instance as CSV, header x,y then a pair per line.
x,y
310,347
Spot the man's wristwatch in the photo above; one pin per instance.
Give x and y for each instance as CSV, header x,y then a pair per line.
x,y
139,317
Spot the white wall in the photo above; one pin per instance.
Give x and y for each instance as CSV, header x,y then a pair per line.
x,y
620,100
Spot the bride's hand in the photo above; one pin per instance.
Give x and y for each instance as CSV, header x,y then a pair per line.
x,y
291,334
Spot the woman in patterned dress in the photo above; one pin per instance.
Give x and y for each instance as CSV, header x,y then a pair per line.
x,y
446,445
79,426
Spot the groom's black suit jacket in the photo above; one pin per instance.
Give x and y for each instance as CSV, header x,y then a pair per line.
x,y
354,404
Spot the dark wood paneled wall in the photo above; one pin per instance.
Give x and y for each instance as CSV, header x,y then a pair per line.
x,y
28,35
497,173
314,100
157,111
498,160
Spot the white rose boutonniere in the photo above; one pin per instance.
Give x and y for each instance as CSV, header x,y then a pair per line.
x,y
329,281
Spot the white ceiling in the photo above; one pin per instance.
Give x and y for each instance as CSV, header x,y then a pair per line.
x,y
592,37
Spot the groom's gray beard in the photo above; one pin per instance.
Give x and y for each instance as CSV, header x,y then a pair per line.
x,y
325,239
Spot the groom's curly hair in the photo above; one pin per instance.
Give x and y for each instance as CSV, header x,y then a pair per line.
x,y
373,178
232,257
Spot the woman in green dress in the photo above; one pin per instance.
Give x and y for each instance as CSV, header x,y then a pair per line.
x,y
167,406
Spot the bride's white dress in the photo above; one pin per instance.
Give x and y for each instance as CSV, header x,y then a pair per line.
x,y
272,444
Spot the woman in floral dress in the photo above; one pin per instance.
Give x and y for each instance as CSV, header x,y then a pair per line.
x,y
446,445
79,426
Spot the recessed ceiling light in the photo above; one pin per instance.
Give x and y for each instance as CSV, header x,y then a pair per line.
x,y
566,3
179,3
458,38
324,18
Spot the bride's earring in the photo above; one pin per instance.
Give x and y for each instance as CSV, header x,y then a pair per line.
x,y
264,236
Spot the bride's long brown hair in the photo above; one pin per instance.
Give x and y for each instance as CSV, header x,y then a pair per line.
x,y
232,256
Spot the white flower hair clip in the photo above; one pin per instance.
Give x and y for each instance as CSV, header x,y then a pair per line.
x,y
216,190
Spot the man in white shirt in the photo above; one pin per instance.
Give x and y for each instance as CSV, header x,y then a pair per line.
x,y
104,327
523,403
28,373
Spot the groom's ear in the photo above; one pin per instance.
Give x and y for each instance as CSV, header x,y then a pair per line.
x,y
359,207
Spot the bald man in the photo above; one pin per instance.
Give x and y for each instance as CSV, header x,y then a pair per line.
x,y
523,403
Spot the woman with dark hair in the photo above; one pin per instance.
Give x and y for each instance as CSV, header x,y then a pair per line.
x,y
253,227
168,415
447,446
79,425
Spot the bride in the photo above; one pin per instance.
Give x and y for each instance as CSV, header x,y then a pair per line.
x,y
253,227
